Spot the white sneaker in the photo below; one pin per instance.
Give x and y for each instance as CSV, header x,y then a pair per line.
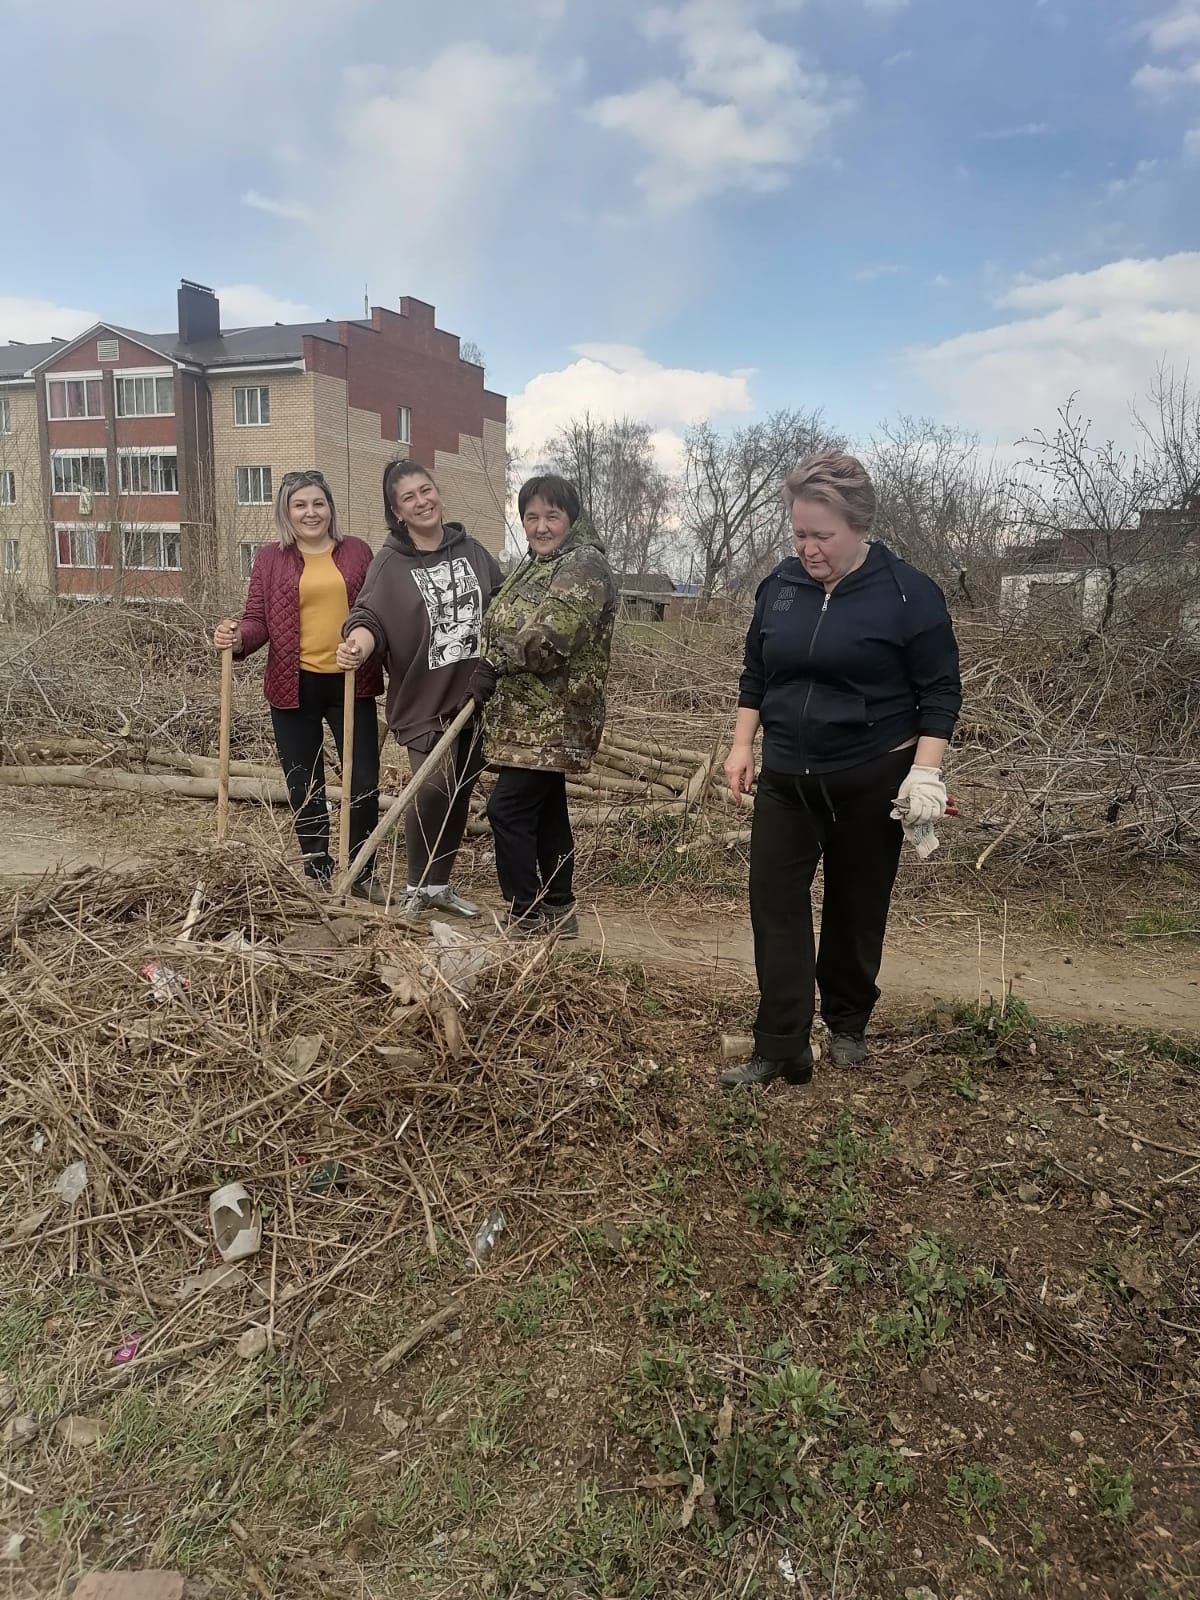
x,y
447,900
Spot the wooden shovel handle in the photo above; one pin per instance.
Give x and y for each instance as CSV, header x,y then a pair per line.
x,y
343,855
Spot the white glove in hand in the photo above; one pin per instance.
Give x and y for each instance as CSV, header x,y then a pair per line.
x,y
922,796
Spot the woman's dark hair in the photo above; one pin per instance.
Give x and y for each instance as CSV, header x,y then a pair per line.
x,y
395,472
555,491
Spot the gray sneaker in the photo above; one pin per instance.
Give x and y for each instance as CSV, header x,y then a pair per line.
x,y
561,922
447,900
847,1049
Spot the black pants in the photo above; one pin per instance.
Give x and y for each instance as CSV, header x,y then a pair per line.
x,y
531,829
299,738
844,817
437,818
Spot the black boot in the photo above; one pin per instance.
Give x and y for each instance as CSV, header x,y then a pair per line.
x,y
758,1070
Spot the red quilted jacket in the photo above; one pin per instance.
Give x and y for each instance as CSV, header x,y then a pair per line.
x,y
272,617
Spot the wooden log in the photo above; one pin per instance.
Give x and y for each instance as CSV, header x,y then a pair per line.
x,y
630,766
619,785
653,747
642,767
261,790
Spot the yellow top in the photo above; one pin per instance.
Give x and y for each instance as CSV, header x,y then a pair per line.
x,y
323,609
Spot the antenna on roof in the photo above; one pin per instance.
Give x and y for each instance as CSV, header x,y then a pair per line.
x,y
366,302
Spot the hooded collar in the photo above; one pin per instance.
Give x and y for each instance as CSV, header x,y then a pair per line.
x,y
880,563
400,540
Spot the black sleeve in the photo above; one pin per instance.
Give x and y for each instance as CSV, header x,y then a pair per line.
x,y
753,681
495,576
931,656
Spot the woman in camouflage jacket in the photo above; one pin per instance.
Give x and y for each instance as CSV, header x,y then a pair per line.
x,y
542,677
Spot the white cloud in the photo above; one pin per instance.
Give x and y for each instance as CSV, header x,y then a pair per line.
x,y
245,305
939,281
745,113
1023,130
1176,29
421,164
1101,333
1157,281
1140,173
612,381
1160,83
32,321
900,56
1191,144
876,270
286,210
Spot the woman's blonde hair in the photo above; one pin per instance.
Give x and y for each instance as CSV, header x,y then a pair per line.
x,y
838,481
288,485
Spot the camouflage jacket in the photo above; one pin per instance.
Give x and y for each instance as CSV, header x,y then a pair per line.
x,y
548,634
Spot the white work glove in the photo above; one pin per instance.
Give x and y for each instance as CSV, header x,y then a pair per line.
x,y
922,796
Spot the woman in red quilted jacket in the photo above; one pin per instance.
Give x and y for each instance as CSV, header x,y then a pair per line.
x,y
301,591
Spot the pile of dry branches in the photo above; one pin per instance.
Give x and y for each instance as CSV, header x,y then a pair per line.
x,y
207,1020
1073,750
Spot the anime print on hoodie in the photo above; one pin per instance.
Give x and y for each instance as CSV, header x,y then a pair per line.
x,y
424,609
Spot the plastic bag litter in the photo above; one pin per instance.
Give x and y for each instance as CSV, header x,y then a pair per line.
x,y
71,1182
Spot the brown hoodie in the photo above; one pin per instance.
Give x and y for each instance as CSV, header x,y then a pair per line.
x,y
425,609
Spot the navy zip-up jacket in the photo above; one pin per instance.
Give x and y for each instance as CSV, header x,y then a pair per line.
x,y
839,678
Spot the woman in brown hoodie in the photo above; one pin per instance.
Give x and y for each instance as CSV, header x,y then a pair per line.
x,y
421,609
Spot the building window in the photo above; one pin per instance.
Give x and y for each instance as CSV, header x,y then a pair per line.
x,y
404,424
246,554
12,556
254,486
145,397
77,470
147,472
5,416
8,488
251,407
82,547
74,397
152,549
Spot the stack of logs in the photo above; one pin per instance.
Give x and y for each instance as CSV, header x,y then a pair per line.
x,y
627,772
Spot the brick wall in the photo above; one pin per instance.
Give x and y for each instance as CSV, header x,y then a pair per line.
x,y
285,444
25,521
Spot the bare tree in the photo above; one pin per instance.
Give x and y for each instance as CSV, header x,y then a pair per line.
x,y
730,503
1090,498
623,490
944,505
1170,435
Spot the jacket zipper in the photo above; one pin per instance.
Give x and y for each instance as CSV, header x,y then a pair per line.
x,y
812,645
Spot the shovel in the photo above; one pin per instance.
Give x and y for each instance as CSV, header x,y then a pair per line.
x,y
343,855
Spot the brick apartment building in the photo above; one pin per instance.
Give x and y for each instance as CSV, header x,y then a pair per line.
x,y
144,465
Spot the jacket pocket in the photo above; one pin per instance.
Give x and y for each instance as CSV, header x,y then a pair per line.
x,y
825,705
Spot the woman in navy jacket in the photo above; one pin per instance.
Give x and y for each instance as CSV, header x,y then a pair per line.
x,y
851,671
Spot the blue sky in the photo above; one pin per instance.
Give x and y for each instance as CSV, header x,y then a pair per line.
x,y
960,208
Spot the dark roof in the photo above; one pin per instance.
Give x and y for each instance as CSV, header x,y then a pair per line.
x,y
647,583
276,342
235,347
16,359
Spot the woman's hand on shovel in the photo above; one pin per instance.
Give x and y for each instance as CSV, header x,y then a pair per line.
x,y
227,636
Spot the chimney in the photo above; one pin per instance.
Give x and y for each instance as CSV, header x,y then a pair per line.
x,y
199,312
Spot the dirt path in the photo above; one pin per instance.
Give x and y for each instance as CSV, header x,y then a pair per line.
x,y
1121,987
1147,984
